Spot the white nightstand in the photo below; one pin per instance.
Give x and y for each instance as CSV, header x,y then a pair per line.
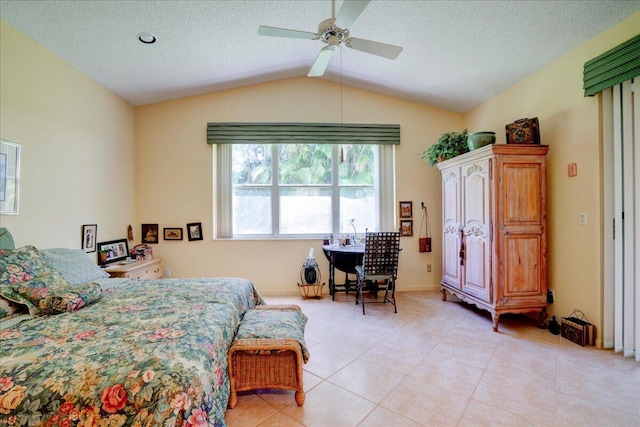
x,y
141,270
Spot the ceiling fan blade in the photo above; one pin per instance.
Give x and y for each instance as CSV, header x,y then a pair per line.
x,y
349,12
376,48
322,61
283,32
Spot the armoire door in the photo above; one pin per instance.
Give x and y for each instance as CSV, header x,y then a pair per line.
x,y
451,271
522,230
476,201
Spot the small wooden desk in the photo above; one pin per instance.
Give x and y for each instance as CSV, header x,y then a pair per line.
x,y
344,258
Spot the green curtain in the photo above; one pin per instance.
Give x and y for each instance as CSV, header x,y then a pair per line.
x,y
302,133
612,67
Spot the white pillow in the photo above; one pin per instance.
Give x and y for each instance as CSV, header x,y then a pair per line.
x,y
74,265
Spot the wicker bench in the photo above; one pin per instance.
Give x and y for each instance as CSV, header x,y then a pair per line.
x,y
266,363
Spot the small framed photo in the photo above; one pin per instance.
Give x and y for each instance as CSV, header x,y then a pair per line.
x,y
149,233
89,233
112,251
172,233
9,177
406,227
194,231
406,209
3,179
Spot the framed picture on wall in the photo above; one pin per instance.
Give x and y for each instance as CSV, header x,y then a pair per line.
x,y
194,231
9,177
149,233
406,227
89,233
406,209
3,175
173,233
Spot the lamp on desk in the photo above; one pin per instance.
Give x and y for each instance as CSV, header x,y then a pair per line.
x,y
355,233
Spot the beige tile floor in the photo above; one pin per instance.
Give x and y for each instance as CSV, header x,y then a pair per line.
x,y
438,363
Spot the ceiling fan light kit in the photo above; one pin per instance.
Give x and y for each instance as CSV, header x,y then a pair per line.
x,y
327,30
334,31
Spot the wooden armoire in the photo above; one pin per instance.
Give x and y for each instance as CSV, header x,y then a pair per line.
x,y
494,212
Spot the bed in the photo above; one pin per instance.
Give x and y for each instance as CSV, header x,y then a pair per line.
x,y
77,348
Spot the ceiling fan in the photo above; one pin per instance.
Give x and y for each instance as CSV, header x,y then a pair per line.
x,y
334,31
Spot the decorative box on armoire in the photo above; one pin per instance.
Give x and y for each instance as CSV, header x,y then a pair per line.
x,y
494,212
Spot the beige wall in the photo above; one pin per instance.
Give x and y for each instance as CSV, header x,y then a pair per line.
x,y
78,163
174,172
570,125
77,147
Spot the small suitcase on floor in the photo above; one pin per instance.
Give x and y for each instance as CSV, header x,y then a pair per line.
x,y
578,329
523,131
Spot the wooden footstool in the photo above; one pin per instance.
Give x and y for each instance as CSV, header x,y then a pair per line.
x,y
262,357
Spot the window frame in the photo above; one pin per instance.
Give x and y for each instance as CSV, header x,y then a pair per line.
x,y
384,182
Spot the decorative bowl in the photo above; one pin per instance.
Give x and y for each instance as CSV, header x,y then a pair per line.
x,y
477,140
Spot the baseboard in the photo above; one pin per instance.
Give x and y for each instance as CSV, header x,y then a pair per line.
x,y
325,291
281,293
606,344
418,288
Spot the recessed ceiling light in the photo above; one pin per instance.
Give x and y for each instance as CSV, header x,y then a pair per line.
x,y
147,38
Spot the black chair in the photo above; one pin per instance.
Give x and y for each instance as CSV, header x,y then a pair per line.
x,y
379,268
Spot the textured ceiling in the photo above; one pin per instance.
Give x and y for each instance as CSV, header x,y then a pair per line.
x,y
456,54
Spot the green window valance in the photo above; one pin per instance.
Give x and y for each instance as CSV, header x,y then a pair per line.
x,y
302,133
612,67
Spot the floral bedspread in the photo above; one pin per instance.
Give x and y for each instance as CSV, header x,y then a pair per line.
x,y
149,353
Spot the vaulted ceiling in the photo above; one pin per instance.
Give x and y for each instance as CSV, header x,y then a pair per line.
x,y
456,54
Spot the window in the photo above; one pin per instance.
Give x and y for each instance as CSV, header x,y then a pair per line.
x,y
303,190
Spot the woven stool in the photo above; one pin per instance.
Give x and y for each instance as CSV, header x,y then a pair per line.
x,y
266,363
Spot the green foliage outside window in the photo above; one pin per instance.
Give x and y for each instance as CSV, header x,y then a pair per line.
x,y
305,181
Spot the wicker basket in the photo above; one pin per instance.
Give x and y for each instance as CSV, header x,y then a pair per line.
x,y
311,291
310,286
265,364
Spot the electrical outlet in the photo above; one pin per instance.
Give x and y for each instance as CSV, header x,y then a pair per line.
x,y
583,218
167,272
428,268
